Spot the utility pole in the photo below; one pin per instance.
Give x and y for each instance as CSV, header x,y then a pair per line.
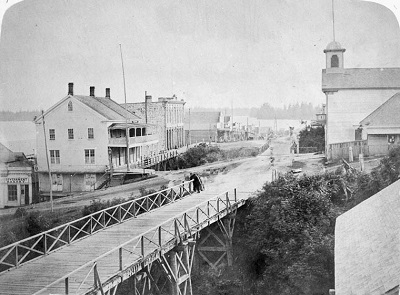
x,y
126,118
48,163
190,133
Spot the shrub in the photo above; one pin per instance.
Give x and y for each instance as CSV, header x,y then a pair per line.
x,y
36,222
20,212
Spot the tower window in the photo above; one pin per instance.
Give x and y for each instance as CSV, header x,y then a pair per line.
x,y
334,61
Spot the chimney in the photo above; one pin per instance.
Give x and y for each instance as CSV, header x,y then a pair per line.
x,y
148,98
108,93
70,88
92,91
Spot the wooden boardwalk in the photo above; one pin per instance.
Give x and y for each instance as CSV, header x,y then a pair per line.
x,y
113,249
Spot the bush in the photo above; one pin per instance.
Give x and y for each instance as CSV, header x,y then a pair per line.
x,y
36,222
20,212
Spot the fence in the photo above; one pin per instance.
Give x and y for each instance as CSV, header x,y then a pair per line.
x,y
142,250
31,248
341,150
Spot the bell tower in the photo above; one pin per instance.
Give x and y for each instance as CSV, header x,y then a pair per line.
x,y
334,56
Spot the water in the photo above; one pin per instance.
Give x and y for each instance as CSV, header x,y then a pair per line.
x,y
18,136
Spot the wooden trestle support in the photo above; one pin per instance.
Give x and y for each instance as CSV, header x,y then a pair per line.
x,y
171,273
215,243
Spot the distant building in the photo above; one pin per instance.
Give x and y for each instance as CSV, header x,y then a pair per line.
x,y
352,94
381,128
16,187
86,137
367,246
204,127
165,116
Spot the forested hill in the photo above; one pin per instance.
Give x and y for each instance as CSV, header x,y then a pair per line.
x,y
296,111
18,116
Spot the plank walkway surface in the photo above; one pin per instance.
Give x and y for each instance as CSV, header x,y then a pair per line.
x,y
36,275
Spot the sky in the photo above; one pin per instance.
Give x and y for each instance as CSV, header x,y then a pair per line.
x,y
224,53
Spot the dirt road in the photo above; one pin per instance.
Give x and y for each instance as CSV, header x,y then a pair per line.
x,y
246,175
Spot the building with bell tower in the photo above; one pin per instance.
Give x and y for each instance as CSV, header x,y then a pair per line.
x,y
351,95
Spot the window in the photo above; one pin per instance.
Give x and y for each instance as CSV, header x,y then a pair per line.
x,y
54,156
12,192
70,108
89,156
334,61
70,133
52,134
90,133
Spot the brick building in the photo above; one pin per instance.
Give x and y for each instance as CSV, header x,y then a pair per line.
x,y
165,116
85,136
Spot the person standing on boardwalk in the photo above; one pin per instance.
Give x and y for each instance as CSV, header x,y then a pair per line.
x,y
196,182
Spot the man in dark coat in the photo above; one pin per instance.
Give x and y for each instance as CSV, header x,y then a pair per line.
x,y
196,182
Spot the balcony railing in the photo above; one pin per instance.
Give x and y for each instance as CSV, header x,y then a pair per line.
x,y
121,141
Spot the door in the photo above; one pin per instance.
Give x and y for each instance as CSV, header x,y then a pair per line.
x,y
24,194
57,182
90,181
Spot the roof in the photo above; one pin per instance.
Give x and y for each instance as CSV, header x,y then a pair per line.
x,y
124,125
13,159
106,107
387,114
367,245
6,155
334,46
202,120
374,78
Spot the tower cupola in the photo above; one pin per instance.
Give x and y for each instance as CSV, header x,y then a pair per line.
x,y
334,56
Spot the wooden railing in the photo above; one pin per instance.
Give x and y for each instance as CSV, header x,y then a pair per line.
x,y
131,256
151,161
18,253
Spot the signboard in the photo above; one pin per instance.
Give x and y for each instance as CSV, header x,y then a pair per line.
x,y
17,180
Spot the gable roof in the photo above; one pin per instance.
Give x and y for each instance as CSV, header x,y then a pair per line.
x,y
367,245
387,114
202,120
106,107
374,78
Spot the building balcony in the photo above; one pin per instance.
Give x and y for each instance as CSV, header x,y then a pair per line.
x,y
121,141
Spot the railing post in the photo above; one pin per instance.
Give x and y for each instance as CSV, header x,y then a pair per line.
x,y
91,221
104,219
95,275
142,246
16,256
234,192
134,208
66,286
120,258
147,204
197,215
119,214
45,243
159,236
208,208
227,200
69,234
218,205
